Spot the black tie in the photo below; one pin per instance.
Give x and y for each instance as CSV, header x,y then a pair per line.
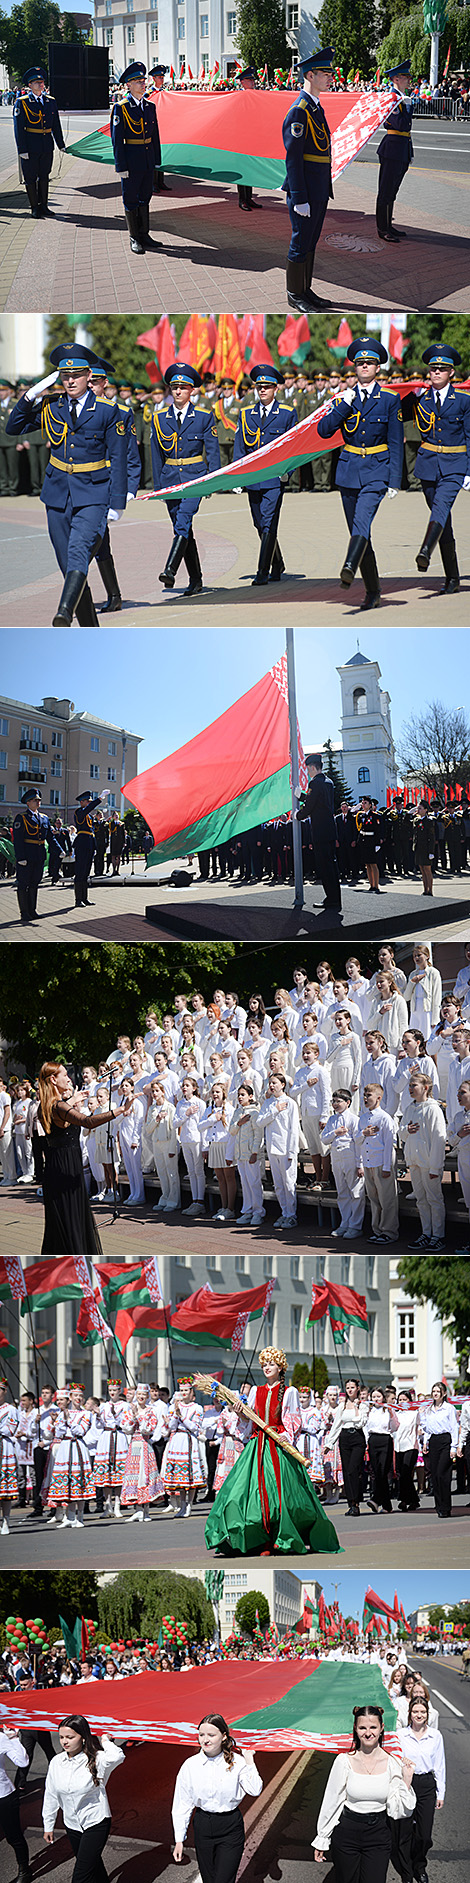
x,y
438,401
73,413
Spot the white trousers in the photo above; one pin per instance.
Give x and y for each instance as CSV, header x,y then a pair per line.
x,y
351,1194
383,1198
167,1173
7,1157
196,1171
464,1180
284,1176
24,1152
311,1128
252,1190
95,1167
133,1166
430,1200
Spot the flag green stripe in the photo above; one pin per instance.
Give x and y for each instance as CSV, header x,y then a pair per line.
x,y
71,1291
195,160
323,1702
244,477
270,798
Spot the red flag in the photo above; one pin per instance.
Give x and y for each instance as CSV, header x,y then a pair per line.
x,y
260,354
320,1301
354,1306
343,338
206,1318
396,342
197,342
321,1609
248,327
295,334
227,357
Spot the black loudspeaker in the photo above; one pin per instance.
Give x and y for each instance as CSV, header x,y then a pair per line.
x,y
79,76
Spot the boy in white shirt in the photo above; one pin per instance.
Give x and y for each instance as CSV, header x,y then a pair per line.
x,y
312,1089
460,1141
423,1135
377,1139
339,1138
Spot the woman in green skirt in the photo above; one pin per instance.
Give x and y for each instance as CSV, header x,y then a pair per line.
x,y
267,1503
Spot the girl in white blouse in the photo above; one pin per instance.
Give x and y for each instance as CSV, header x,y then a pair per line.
x,y
441,1437
424,990
76,1785
211,1784
366,1788
349,1427
422,1744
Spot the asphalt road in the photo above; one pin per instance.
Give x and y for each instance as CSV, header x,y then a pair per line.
x,y
105,1543
436,141
280,1849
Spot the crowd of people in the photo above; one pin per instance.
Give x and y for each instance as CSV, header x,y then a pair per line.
x,y
365,1078
140,1447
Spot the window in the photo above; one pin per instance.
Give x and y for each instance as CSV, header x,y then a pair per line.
x,y
130,6
112,800
94,745
57,739
153,6
109,36
359,700
205,62
94,771
239,1265
294,1267
54,797
181,26
36,735
292,18
364,775
2,794
111,774
35,762
25,732
108,7
267,1266
295,1316
345,1269
111,748
4,728
154,32
3,761
370,1271
56,768
231,24
180,1261
130,35
24,762
211,1261
204,25
269,1324
370,1334
406,1333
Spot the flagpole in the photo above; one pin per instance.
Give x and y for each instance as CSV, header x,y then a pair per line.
x,y
295,777
30,1317
313,1355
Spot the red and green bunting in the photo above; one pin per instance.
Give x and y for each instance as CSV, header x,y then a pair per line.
x,y
233,775
50,1282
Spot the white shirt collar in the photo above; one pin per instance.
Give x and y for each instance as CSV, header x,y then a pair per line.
x,y
442,394
182,415
79,402
265,409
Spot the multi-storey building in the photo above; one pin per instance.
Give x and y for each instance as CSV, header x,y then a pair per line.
x,y
188,33
63,751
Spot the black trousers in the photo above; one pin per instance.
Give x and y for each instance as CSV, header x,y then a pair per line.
x,y
440,1468
327,869
30,1741
11,1827
380,1459
412,1837
352,1447
405,1462
219,1837
361,1846
87,1848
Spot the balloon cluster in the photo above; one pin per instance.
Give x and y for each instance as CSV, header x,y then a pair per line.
x,y
26,1634
174,1632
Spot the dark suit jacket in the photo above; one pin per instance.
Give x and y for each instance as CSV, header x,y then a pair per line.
x,y
319,806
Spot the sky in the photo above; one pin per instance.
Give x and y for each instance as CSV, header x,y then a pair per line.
x,y
168,683
348,1587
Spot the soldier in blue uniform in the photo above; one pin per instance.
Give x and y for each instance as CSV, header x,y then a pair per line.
x,y
308,182
443,463
84,842
37,128
137,154
86,478
184,446
105,389
395,152
371,460
247,80
31,832
157,78
259,425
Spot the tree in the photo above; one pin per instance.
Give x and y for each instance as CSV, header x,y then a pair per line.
x,y
435,746
352,30
458,1612
406,38
247,1607
332,769
31,26
135,1603
303,1374
70,1007
261,33
49,1593
446,1282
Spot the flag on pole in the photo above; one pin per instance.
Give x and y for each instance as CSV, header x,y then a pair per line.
x,y
320,1302
343,340
207,1319
294,342
353,1306
232,776
197,342
227,361
48,1282
12,1281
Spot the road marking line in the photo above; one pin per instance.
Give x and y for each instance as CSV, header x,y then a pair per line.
x,y
453,1709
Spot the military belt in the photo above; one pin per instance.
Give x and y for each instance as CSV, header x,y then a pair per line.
x,y
98,464
392,133
311,159
198,460
38,130
143,141
460,450
365,451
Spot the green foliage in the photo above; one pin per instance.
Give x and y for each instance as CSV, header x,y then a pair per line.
x,y
25,35
446,1282
406,38
135,1603
459,1612
74,1000
245,1612
261,33
332,770
49,1593
352,30
303,1374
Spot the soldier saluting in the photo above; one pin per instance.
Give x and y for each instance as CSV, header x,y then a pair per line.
x,y
84,842
37,128
31,832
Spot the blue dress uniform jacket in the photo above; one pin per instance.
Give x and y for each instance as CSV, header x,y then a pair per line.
x,y
371,459
136,145
86,474
37,128
444,454
31,832
181,453
84,845
256,428
307,146
395,153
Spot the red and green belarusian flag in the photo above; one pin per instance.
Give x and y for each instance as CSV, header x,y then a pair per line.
x,y
232,776
48,1282
6,1347
328,1296
12,1281
211,1320
374,1606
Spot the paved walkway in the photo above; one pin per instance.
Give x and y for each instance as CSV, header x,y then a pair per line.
x,y
212,256
313,539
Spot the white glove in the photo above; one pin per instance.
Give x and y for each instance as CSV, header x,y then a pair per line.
x,y
104,794
391,492
35,391
131,496
347,396
302,209
466,483
114,516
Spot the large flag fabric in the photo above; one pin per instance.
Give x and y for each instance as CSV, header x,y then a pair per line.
x,y
209,1319
353,1306
48,1282
320,1302
12,1281
136,1320
227,361
232,776
197,342
272,1706
374,1605
218,135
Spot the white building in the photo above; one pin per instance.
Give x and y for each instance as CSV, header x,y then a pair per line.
x,y
196,32
368,752
283,1591
23,347
420,1350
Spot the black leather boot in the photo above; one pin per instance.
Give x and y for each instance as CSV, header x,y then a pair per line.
x,y
43,198
32,195
193,566
370,576
297,293
72,590
268,544
144,227
356,547
137,245
433,532
109,578
277,564
314,303
451,569
177,551
85,610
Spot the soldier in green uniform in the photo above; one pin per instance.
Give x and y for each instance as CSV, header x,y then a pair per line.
x,y
226,410
9,456
142,419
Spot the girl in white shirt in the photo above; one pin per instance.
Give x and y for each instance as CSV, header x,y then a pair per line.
x,y
412,1057
365,1790
388,1010
423,1135
279,1119
21,1138
214,1128
244,1070
211,1784
341,1003
309,1030
344,1058
423,1745
406,1451
348,1427
243,1149
460,1141
386,960
130,1133
76,1785
424,990
189,1111
379,1064
358,985
339,1137
441,1436
381,1423
161,1127
439,1043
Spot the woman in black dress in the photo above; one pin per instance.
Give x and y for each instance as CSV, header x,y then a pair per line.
x,y
70,1228
370,830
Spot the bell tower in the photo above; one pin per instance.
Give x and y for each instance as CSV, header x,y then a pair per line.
x,y
369,762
